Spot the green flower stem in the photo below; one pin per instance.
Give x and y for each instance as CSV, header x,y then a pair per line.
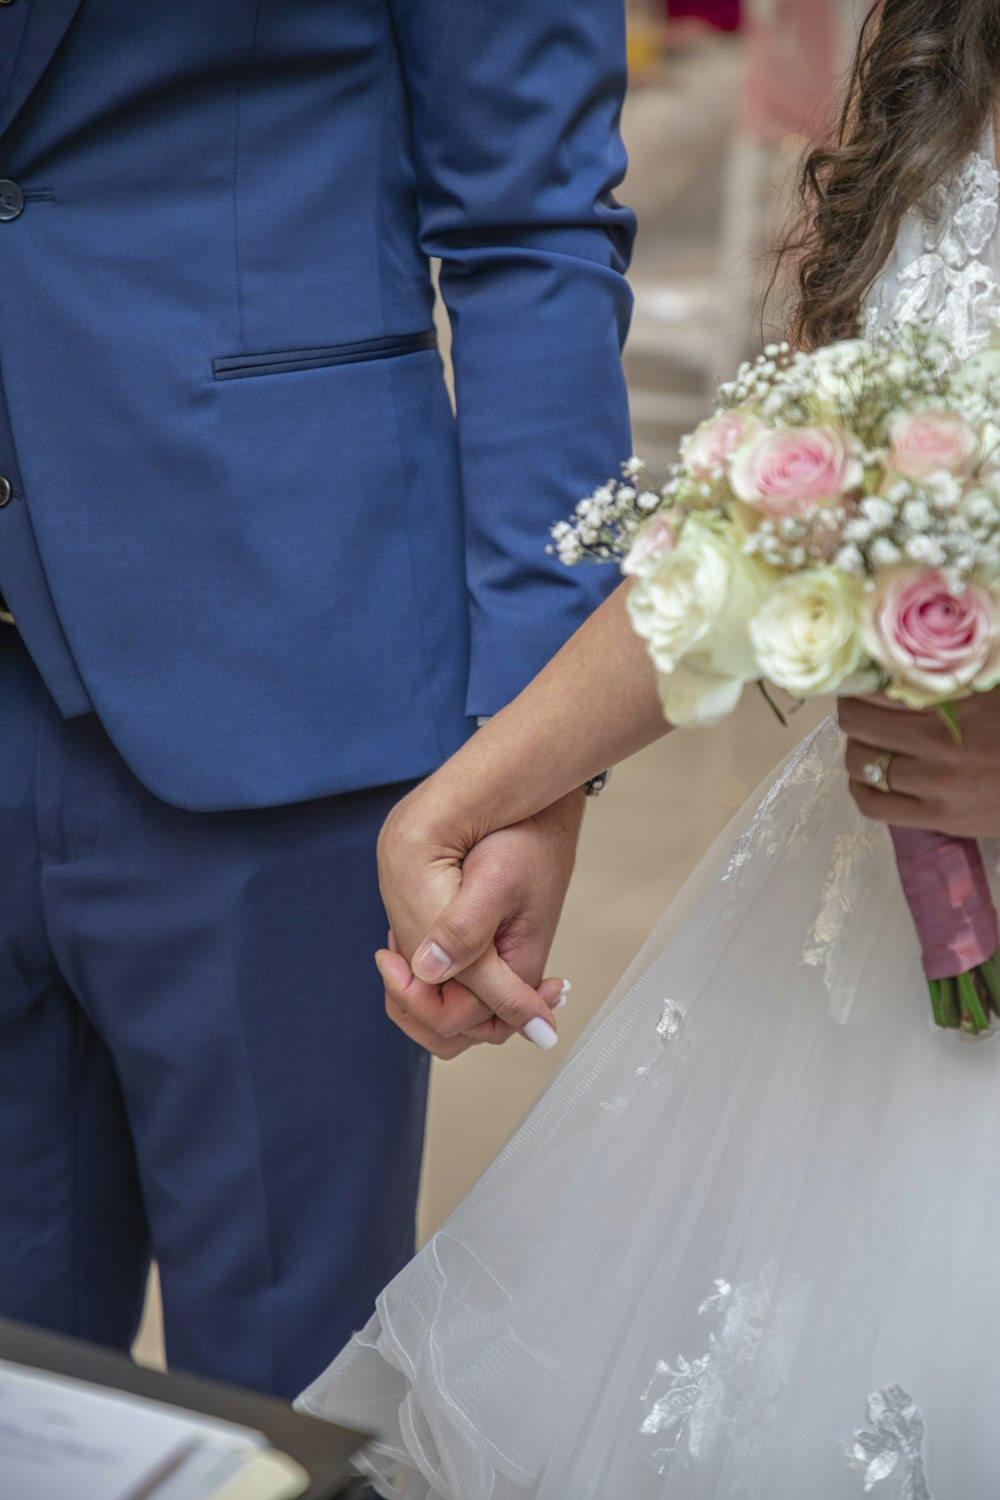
x,y
989,974
944,1003
968,1002
762,688
975,1014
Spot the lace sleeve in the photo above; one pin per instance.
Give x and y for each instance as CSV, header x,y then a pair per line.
x,y
946,262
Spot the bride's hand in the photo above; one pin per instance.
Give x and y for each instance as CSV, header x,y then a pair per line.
x,y
478,919
935,782
475,862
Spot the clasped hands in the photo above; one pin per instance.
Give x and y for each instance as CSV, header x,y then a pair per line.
x,y
473,918
474,912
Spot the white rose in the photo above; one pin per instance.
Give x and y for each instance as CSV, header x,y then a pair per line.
x,y
694,698
699,597
676,599
693,609
807,634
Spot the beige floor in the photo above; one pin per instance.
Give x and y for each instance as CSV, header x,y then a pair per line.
x,y
663,809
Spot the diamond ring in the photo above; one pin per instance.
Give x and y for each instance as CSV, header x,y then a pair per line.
x,y
876,772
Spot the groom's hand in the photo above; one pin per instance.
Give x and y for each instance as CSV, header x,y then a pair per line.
x,y
476,921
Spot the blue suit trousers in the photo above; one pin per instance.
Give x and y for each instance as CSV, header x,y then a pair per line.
x,y
195,1061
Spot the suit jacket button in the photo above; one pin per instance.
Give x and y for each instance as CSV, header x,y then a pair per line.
x,y
5,490
11,199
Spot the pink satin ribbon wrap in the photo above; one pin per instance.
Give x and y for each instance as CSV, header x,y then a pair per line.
x,y
945,884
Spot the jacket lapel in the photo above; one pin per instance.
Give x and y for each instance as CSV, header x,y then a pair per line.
x,y
45,26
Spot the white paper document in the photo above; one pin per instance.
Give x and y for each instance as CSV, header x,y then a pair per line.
x,y
61,1438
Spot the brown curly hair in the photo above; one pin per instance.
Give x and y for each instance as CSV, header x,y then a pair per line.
x,y
922,92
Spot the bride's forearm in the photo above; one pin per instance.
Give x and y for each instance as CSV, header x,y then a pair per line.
x,y
595,704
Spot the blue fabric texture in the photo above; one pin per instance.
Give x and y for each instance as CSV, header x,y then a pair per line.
x,y
194,1059
261,547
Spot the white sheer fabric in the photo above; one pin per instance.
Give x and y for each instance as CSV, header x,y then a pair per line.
x,y
743,1246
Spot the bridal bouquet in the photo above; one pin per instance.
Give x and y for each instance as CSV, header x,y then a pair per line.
x,y
834,527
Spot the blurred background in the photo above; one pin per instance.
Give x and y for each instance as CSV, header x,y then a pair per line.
x,y
725,97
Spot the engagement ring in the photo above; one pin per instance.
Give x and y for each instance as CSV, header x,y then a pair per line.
x,y
876,772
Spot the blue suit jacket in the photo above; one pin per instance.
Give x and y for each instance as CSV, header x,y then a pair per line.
x,y
246,528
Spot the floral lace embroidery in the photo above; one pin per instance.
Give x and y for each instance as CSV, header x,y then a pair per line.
x,y
946,280
765,834
842,897
703,1398
892,1445
813,768
671,1020
827,786
670,1032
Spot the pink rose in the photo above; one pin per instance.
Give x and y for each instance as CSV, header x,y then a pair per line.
x,y
712,445
792,471
935,642
652,540
931,442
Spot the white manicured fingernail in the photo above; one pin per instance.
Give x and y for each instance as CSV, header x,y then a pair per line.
x,y
431,963
541,1034
563,995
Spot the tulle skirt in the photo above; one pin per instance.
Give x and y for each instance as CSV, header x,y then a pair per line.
x,y
748,1242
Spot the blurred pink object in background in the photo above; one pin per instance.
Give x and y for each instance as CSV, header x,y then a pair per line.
x,y
794,60
723,14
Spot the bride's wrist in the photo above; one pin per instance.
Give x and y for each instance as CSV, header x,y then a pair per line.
x,y
455,808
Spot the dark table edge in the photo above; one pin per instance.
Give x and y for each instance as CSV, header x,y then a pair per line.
x,y
323,1449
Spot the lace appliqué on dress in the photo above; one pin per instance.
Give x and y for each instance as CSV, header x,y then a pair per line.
x,y
670,1032
672,1017
892,1446
814,768
767,833
706,1399
840,902
938,272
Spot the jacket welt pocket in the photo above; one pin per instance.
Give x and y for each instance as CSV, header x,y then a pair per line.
x,y
284,361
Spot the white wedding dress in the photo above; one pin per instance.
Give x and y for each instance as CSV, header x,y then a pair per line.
x,y
748,1243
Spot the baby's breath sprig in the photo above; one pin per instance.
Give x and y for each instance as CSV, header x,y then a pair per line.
x,y
795,543
756,379
935,524
861,388
604,524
